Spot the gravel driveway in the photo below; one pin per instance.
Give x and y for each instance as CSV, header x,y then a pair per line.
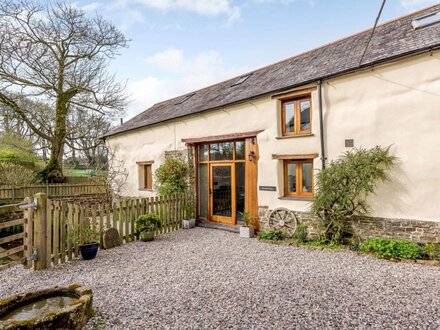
x,y
209,279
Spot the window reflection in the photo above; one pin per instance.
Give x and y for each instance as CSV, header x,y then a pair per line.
x,y
289,119
240,148
221,151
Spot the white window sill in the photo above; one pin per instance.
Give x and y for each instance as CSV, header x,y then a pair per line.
x,y
293,136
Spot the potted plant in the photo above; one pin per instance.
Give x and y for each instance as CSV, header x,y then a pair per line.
x,y
146,225
246,231
87,237
189,222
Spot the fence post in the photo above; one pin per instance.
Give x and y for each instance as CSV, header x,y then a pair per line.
x,y
40,222
28,233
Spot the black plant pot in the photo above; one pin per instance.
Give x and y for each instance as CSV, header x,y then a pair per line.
x,y
89,251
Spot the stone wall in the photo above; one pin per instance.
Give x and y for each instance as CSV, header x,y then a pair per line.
x,y
360,227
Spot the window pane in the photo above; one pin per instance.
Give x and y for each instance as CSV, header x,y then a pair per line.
x,y
203,190
239,189
203,152
239,149
289,117
221,151
305,115
291,177
307,177
222,191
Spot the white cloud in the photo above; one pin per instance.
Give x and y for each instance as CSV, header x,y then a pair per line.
x,y
181,75
91,7
200,7
168,60
416,4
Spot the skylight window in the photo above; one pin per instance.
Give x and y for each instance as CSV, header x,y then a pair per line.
x,y
241,80
426,20
185,98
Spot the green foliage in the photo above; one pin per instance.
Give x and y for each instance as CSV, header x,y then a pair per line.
x,y
86,234
431,251
148,222
343,187
391,248
172,176
17,149
16,174
273,235
301,234
326,245
247,218
189,210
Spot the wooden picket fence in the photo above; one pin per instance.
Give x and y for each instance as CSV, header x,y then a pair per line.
x,y
80,179
10,194
53,223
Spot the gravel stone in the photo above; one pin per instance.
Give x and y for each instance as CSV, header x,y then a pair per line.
x,y
209,279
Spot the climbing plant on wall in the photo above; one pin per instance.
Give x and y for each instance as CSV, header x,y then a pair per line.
x,y
172,176
343,188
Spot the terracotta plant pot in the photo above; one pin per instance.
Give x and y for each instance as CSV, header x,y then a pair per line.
x,y
147,236
89,251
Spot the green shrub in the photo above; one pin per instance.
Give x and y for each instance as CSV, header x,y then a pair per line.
x,y
86,234
273,235
15,174
148,222
301,233
172,177
326,245
17,149
431,251
391,248
344,185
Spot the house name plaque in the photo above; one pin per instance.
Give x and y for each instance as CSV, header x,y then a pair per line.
x,y
267,188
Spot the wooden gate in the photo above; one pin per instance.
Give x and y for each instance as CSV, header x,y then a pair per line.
x,y
40,232
15,235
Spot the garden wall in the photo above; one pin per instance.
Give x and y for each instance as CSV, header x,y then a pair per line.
x,y
363,227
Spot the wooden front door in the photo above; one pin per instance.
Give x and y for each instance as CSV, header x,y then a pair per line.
x,y
222,193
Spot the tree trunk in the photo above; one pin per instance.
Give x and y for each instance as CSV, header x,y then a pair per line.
x,y
54,168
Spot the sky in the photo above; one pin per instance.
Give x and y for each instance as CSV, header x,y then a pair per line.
x,y
178,46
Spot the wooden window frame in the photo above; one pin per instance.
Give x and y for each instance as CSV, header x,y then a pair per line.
x,y
210,163
297,113
299,174
147,179
209,160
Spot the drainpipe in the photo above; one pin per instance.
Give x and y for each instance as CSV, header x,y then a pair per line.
x,y
321,124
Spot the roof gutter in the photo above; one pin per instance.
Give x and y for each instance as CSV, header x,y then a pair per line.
x,y
322,78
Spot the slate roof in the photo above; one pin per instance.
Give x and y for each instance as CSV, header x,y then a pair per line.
x,y
391,40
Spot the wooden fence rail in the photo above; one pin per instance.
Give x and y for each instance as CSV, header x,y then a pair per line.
x,y
80,179
55,243
14,194
15,237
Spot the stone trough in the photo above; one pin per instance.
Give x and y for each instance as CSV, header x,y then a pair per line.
x,y
59,307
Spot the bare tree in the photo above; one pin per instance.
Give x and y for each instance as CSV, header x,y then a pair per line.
x,y
57,56
84,136
111,176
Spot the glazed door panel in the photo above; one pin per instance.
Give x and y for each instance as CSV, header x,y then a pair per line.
x,y
222,193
